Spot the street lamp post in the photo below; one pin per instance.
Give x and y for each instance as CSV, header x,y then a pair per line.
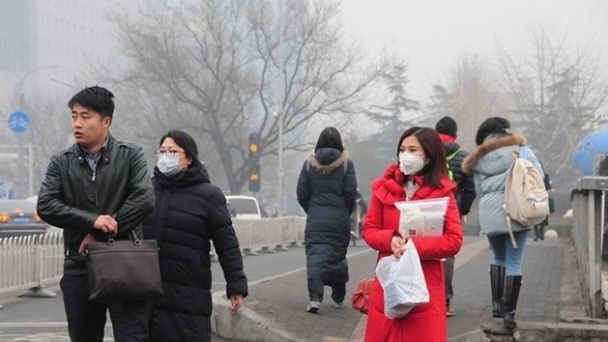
x,y
30,145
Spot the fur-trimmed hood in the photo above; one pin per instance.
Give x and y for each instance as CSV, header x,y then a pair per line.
x,y
491,145
325,160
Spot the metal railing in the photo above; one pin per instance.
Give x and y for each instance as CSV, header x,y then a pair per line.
x,y
588,206
28,263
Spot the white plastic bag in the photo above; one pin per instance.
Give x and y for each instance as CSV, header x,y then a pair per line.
x,y
403,282
422,218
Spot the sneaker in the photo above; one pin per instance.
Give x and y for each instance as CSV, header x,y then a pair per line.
x,y
313,307
339,305
450,312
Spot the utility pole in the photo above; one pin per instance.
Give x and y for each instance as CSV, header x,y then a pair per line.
x,y
280,170
21,79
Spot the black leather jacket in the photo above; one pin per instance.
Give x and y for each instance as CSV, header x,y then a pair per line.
x,y
72,195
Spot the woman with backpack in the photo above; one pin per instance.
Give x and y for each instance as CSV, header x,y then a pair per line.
x,y
327,191
490,164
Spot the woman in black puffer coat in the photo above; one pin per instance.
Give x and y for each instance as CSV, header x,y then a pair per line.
x,y
189,213
327,190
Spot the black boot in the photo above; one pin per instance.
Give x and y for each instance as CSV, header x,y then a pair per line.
x,y
497,283
512,287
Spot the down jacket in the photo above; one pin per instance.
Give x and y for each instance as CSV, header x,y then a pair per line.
x,y
427,322
327,191
465,194
490,163
189,213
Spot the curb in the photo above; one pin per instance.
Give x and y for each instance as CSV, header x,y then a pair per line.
x,y
545,332
244,324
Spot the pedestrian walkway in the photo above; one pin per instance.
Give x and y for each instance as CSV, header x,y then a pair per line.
x,y
275,308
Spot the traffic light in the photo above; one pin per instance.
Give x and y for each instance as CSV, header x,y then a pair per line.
x,y
254,177
254,146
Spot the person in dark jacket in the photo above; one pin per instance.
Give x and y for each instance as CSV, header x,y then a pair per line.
x,y
98,187
189,213
327,190
465,193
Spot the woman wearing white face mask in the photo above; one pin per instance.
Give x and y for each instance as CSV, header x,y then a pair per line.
x,y
188,213
421,173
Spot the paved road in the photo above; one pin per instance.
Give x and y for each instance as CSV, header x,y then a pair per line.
x,y
43,319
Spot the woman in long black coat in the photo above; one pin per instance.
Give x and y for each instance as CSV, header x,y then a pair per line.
x,y
327,190
189,213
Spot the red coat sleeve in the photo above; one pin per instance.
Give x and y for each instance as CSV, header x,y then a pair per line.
x,y
375,234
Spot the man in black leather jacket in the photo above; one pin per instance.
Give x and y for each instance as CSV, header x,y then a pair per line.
x,y
97,187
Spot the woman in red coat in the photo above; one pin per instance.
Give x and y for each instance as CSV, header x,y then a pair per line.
x,y
420,174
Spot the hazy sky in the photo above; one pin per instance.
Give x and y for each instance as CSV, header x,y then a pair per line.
x,y
431,34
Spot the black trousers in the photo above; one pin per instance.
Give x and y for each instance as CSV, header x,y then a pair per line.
x,y
316,287
87,319
448,266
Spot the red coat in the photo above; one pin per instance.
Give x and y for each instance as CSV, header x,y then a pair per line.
x,y
425,322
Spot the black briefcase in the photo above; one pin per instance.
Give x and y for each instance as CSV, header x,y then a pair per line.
x,y
120,270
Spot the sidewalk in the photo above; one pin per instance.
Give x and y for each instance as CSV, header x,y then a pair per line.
x,y
550,302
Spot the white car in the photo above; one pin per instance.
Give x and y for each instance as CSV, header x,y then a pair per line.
x,y
243,207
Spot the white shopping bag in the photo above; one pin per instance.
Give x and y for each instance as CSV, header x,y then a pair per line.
x,y
403,282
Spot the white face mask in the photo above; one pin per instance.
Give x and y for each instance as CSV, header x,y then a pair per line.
x,y
409,163
168,165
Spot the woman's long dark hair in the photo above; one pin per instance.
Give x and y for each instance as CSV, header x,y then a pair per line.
x,y
185,141
436,167
330,138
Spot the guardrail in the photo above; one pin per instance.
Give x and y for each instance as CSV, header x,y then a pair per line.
x,y
588,206
269,234
27,263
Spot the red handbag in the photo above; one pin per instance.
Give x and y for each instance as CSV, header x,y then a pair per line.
x,y
360,299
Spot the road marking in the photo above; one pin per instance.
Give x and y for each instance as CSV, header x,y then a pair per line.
x,y
34,324
267,279
469,251
40,337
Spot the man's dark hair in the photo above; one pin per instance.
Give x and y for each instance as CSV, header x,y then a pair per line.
x,y
96,98
330,138
446,125
494,125
185,141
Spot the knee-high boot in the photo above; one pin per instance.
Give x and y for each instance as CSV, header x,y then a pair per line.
x,y
497,283
512,287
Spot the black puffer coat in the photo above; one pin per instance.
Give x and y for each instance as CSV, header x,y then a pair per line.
x,y
327,192
189,213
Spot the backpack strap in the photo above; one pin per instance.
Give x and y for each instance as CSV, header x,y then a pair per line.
x,y
451,156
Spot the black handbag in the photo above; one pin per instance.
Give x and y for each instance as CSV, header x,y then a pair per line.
x,y
120,270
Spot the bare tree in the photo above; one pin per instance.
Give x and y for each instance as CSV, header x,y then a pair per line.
x,y
212,67
554,83
467,96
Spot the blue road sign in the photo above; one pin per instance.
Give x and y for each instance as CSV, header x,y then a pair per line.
x,y
18,122
4,193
